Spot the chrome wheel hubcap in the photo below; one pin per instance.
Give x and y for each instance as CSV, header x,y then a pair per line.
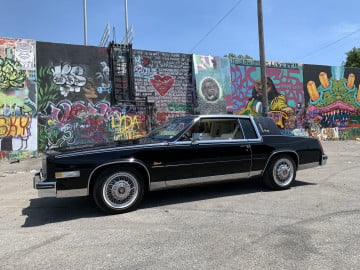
x,y
120,190
283,172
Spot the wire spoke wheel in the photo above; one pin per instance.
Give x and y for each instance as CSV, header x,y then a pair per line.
x,y
280,173
120,190
283,172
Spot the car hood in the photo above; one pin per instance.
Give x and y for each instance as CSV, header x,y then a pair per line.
x,y
117,144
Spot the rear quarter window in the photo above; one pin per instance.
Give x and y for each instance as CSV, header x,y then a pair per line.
x,y
248,129
266,126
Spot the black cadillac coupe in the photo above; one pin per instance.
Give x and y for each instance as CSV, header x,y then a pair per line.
x,y
184,151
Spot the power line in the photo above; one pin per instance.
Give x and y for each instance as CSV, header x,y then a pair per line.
x,y
216,25
330,44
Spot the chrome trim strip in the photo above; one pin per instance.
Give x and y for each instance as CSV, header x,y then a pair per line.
x,y
181,142
157,185
201,142
324,159
197,180
97,151
129,161
46,189
223,141
72,193
255,173
195,163
235,116
308,165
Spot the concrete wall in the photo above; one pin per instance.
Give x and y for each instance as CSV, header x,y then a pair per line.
x,y
57,95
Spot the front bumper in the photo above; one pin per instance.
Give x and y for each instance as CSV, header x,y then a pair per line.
x,y
45,188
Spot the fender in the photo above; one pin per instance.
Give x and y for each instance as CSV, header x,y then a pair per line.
x,y
125,161
281,152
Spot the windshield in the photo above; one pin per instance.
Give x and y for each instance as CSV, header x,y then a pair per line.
x,y
171,129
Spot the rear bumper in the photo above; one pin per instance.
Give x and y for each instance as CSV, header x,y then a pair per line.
x,y
322,162
324,159
45,188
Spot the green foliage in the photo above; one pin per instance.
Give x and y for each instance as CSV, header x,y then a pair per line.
x,y
240,56
11,74
42,138
353,58
47,89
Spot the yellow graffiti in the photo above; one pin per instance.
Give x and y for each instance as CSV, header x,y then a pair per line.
x,y
14,126
127,127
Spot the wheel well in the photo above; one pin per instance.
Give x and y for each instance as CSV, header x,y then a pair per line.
x,y
293,155
140,169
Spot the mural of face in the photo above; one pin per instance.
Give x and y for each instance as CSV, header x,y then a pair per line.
x,y
270,89
258,86
210,89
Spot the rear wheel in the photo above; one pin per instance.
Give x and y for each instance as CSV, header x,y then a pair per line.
x,y
280,173
118,190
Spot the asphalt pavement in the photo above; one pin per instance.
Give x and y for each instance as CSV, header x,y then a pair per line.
x,y
238,225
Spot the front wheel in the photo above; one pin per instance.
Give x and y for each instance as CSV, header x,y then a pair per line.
x,y
280,173
118,190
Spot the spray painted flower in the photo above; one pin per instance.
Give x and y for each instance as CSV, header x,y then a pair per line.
x,y
11,74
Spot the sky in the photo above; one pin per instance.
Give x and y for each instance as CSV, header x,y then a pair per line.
x,y
308,31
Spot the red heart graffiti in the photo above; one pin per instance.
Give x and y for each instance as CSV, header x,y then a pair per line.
x,y
145,61
162,84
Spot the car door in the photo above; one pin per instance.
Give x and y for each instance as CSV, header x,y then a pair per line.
x,y
216,151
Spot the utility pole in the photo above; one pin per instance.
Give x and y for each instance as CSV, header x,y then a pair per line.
x,y
262,59
126,23
85,28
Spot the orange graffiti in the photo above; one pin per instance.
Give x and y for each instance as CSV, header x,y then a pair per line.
x,y
14,126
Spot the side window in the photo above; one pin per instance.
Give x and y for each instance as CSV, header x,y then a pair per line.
x,y
201,130
217,129
248,129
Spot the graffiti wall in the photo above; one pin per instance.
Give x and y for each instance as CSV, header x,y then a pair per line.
x,y
57,95
333,98
166,80
212,75
304,100
18,123
74,99
284,89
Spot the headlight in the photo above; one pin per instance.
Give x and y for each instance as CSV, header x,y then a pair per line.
x,y
67,174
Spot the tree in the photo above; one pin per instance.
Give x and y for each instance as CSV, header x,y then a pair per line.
x,y
232,55
353,58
